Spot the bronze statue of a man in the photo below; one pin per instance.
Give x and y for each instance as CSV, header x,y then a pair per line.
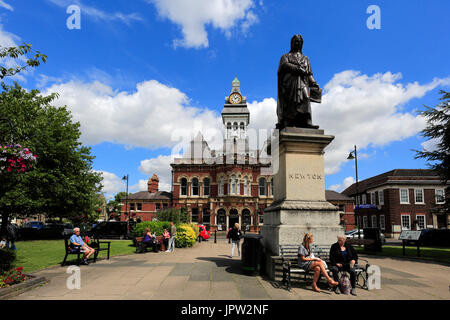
x,y
295,79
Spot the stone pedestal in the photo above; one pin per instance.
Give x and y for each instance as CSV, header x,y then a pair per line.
x,y
299,205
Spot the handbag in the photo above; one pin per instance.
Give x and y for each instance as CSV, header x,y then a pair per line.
x,y
324,263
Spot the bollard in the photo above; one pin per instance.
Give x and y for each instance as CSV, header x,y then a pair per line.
x,y
215,236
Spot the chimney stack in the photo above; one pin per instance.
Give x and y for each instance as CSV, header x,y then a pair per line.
x,y
153,183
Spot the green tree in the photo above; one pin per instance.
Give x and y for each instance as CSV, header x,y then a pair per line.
x,y
438,129
173,215
62,183
114,206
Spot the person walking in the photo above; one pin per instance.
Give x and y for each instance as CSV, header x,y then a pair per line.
x,y
235,235
173,235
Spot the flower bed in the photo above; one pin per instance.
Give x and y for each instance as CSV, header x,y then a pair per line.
x,y
15,158
12,277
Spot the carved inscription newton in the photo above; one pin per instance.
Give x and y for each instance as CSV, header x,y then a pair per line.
x,y
305,176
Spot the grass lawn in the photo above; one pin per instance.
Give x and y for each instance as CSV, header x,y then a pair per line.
x,y
40,254
426,253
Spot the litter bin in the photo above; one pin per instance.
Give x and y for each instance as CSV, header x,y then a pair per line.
x,y
373,234
252,253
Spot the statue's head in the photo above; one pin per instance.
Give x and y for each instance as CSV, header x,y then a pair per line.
x,y
296,43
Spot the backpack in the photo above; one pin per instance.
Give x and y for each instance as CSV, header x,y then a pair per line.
x,y
344,284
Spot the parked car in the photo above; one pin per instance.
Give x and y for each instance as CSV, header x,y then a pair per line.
x,y
33,224
110,229
353,234
68,229
51,231
205,234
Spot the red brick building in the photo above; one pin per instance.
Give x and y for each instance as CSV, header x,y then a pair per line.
x,y
145,204
345,205
401,199
225,186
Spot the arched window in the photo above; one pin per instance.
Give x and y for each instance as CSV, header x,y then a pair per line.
x,y
195,187
206,186
233,184
221,218
262,186
242,130
221,186
183,186
246,218
229,130
246,186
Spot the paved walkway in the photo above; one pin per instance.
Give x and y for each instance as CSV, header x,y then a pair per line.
x,y
206,272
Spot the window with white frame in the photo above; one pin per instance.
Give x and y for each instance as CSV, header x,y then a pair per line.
x,y
262,186
421,221
364,199
418,196
374,221
365,224
406,222
372,198
382,222
206,186
404,196
233,184
440,198
195,187
381,197
183,190
221,185
246,186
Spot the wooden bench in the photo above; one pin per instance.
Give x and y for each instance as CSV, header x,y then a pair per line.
x,y
289,257
74,249
139,244
96,244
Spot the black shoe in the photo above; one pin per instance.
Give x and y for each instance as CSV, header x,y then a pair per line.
x,y
85,262
353,292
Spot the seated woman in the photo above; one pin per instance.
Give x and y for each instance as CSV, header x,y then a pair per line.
x,y
307,262
148,240
343,257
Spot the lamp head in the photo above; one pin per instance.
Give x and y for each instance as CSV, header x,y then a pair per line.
x,y
350,156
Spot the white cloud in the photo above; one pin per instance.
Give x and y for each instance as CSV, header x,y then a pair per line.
x,y
98,14
431,144
3,4
161,166
344,185
194,15
112,184
153,116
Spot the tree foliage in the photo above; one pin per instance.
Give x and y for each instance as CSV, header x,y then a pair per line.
x,y
438,130
16,53
62,183
173,215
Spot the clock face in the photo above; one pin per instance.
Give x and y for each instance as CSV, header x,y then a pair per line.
x,y
235,98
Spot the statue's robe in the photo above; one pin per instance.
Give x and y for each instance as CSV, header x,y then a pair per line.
x,y
293,105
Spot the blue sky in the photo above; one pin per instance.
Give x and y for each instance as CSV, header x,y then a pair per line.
x,y
138,71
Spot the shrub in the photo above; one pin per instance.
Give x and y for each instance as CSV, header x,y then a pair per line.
x,y
185,236
174,215
155,227
196,229
7,258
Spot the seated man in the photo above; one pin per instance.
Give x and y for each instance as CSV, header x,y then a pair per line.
x,y
343,258
75,239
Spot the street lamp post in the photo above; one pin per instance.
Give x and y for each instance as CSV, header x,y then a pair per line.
x,y
351,156
126,197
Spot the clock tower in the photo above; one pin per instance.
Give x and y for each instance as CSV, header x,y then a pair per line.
x,y
235,114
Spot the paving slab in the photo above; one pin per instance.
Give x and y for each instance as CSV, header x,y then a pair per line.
x,y
205,272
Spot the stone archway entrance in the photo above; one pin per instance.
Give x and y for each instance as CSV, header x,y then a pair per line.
x,y
233,218
221,219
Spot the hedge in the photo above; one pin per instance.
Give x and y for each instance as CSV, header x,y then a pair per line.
x,y
7,258
187,234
